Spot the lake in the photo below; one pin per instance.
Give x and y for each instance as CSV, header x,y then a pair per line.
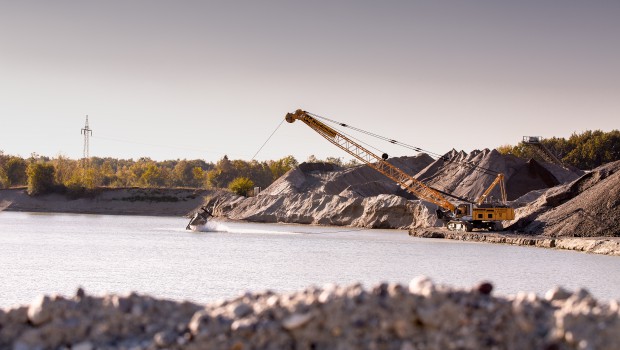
x,y
57,253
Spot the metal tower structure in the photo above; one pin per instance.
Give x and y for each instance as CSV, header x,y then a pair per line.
x,y
87,132
535,142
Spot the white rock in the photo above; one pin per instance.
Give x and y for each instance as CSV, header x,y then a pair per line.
x,y
422,285
295,321
39,311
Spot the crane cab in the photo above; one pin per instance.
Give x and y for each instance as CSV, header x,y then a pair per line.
x,y
464,211
468,217
493,214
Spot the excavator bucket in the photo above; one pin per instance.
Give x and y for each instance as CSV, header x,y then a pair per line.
x,y
200,218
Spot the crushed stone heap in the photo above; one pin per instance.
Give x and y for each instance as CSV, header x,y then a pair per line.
x,y
587,207
319,193
422,315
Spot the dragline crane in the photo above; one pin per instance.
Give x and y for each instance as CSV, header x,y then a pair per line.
x,y
460,216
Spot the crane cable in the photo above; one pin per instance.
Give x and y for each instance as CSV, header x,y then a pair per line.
x,y
414,148
269,138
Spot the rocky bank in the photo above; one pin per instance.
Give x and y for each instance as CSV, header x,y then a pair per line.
x,y
596,245
422,315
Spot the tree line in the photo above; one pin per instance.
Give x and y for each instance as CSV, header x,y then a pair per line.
x,y
586,150
76,177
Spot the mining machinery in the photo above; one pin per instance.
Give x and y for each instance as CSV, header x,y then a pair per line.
x,y
462,215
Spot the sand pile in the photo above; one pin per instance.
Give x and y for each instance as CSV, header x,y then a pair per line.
x,y
329,179
319,193
422,315
586,207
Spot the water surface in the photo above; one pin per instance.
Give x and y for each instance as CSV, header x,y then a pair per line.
x,y
56,253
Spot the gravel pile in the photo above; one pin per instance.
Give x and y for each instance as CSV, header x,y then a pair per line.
x,y
422,315
324,194
586,207
522,176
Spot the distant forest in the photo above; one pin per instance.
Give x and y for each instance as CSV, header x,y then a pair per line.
x,y
75,177
585,151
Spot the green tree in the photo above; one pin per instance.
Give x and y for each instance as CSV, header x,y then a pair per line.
x,y
334,160
65,169
586,150
15,171
352,163
199,176
281,166
3,180
222,174
40,178
153,176
183,173
241,186
107,173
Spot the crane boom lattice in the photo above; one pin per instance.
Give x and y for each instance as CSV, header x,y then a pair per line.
x,y
464,216
406,181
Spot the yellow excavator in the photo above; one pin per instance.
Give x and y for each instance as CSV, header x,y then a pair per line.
x,y
464,216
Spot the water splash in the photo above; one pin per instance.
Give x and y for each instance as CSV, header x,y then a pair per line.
x,y
216,226
212,226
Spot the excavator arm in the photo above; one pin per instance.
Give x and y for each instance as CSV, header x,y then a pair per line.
x,y
498,180
380,164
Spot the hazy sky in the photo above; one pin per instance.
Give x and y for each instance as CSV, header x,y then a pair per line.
x,y
200,79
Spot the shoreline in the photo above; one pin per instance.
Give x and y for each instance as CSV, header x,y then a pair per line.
x,y
592,245
184,201
109,201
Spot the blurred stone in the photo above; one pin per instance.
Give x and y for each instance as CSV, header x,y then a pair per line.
x,y
242,310
386,316
485,288
165,339
79,294
40,311
557,293
86,345
295,321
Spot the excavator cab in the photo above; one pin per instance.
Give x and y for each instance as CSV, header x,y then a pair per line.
x,y
462,210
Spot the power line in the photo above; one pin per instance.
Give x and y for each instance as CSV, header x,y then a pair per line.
x,y
163,146
87,132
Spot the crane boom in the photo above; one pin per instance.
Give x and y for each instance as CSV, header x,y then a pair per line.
x,y
406,181
498,180
464,216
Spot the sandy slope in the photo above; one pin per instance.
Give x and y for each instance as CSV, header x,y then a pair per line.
x,y
126,201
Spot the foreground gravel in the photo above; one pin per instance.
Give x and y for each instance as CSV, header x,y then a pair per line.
x,y
422,315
